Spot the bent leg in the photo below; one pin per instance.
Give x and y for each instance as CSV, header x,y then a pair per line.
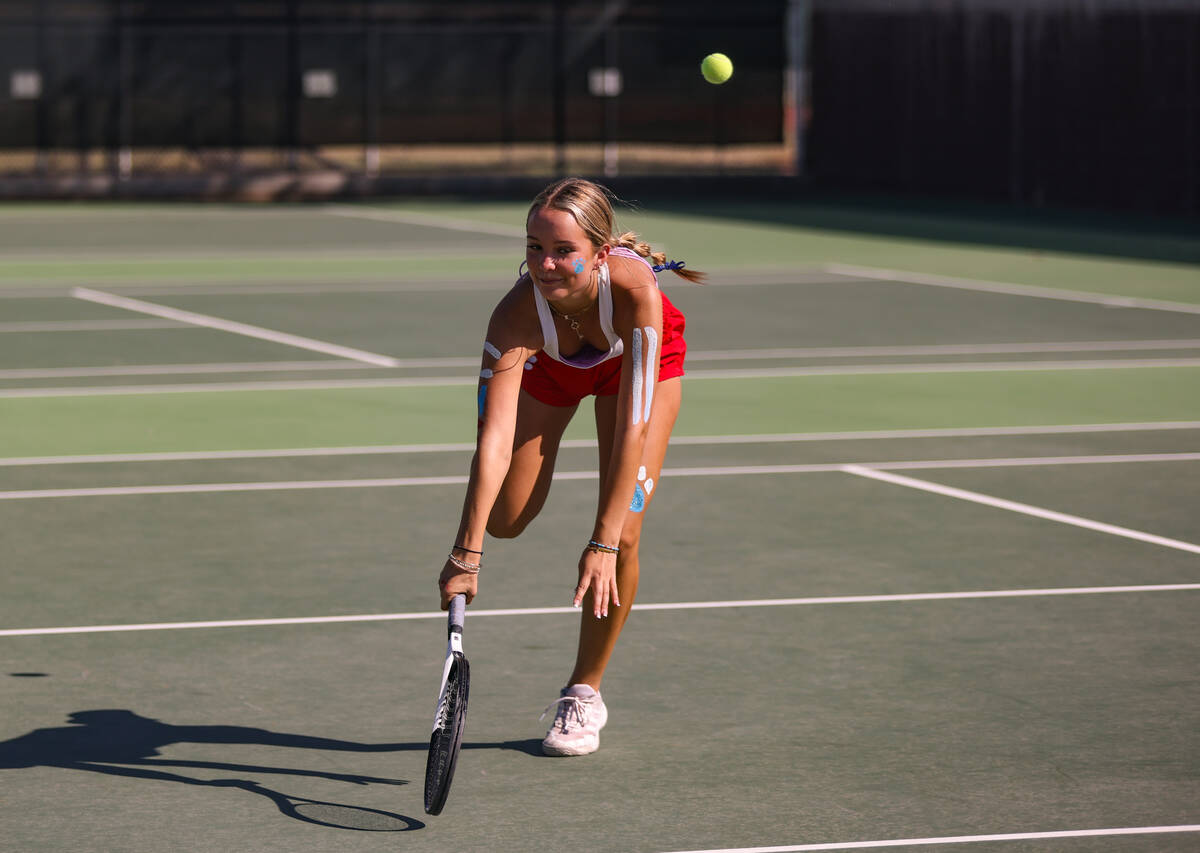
x,y
598,637
535,447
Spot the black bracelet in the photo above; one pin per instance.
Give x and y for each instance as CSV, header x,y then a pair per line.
x,y
468,550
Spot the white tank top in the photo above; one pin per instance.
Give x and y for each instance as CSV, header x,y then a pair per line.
x,y
589,356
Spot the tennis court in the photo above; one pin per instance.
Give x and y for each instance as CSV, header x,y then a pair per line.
x,y
922,573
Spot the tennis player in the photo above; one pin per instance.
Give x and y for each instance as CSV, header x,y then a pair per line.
x,y
586,318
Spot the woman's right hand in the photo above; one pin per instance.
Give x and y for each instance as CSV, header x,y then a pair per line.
x,y
454,581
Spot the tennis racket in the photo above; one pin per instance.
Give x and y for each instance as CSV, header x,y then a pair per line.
x,y
451,714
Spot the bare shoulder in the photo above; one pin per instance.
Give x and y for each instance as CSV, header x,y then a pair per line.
x,y
632,281
634,290
514,321
629,274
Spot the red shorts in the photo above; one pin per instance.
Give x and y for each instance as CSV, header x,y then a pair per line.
x,y
557,384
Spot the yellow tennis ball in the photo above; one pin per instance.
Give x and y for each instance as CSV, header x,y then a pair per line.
x,y
716,68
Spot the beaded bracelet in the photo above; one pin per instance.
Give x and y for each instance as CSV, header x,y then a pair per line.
x,y
600,548
466,567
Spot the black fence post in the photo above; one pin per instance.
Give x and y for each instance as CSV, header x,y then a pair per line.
x,y
559,53
371,90
237,129
291,114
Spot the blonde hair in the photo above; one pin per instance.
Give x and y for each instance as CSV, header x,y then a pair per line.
x,y
590,204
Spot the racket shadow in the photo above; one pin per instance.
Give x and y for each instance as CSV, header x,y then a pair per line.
x,y
122,743
325,813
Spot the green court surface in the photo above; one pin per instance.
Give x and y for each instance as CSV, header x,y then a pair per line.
x,y
921,572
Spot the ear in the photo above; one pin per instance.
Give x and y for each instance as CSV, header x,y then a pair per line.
x,y
602,254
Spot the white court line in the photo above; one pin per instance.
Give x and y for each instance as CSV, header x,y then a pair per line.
x,y
425,219
1024,509
693,375
958,839
691,440
195,319
1107,300
708,471
1021,461
943,367
444,362
552,611
943,349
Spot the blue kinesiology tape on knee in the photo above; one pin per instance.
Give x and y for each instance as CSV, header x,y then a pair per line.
x,y
482,401
639,499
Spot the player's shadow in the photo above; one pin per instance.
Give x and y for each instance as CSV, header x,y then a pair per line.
x,y
122,743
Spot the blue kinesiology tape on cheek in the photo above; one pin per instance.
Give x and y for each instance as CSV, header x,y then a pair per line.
x,y
578,266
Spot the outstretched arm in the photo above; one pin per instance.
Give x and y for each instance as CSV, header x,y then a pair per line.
x,y
498,392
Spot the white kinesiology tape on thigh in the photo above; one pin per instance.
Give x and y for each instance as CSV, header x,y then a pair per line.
x,y
651,379
637,376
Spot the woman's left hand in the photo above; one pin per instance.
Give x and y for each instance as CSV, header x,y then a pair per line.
x,y
598,572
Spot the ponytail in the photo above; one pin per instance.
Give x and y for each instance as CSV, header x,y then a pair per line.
x,y
591,206
630,240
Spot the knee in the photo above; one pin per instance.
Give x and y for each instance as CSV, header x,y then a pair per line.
x,y
629,544
505,528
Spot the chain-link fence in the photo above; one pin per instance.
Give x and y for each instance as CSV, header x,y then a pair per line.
x,y
383,87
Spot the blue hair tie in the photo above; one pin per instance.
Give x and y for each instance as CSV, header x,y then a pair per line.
x,y
669,265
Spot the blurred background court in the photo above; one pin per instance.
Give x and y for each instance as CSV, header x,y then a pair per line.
x,y
922,567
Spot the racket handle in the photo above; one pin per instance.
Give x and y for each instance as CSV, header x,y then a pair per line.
x,y
458,613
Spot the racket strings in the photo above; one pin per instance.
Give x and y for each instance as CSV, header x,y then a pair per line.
x,y
446,704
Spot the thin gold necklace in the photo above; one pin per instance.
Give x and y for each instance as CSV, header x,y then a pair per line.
x,y
573,319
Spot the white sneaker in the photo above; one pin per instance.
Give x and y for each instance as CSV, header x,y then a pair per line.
x,y
579,717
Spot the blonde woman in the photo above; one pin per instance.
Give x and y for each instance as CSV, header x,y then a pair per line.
x,y
587,318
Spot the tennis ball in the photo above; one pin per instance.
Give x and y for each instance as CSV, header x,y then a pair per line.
x,y
716,68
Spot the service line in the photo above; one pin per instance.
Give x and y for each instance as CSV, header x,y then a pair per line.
x,y
576,443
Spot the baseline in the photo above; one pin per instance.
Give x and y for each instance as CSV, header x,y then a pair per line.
x,y
958,839
864,469
552,611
